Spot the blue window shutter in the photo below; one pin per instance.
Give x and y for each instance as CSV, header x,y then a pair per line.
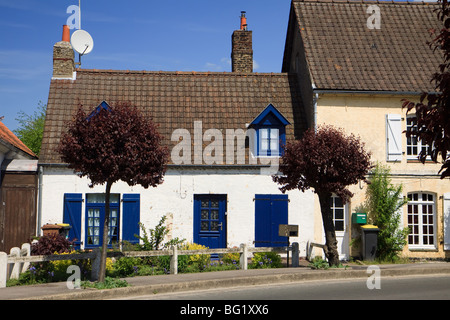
x,y
131,217
271,210
279,216
262,220
72,215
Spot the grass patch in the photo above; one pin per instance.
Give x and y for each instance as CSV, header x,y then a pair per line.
x,y
109,283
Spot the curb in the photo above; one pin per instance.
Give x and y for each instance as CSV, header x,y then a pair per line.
x,y
335,274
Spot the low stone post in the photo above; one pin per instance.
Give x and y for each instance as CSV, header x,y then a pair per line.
x,y
25,252
295,255
15,270
174,261
243,257
3,269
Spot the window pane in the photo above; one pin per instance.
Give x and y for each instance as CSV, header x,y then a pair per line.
x,y
264,133
214,204
100,198
274,134
339,225
214,226
274,145
338,202
214,215
264,145
339,214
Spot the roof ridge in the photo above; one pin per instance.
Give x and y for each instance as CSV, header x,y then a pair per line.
x,y
195,73
10,138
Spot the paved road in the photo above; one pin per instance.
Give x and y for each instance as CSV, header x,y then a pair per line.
x,y
434,287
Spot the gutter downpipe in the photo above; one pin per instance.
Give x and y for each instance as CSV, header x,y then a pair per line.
x,y
315,99
39,215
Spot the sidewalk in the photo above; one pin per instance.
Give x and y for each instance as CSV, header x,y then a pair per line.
x,y
207,280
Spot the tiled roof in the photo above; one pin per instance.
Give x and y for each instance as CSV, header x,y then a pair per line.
x,y
11,139
174,100
344,54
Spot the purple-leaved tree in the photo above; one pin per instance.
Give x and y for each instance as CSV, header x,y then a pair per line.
x,y
328,161
111,144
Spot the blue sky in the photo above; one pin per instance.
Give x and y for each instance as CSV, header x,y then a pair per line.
x,y
171,35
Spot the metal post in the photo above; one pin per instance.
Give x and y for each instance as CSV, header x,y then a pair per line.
x,y
295,255
95,264
287,252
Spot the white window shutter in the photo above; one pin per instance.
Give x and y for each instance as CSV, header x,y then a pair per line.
x,y
394,137
447,221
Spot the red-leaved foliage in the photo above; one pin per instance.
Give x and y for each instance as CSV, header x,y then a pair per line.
x,y
433,115
328,161
113,145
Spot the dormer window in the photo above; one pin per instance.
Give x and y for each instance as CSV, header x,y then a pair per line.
x,y
269,141
270,130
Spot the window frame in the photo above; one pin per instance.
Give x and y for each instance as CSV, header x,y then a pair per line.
x,y
418,218
333,207
269,152
418,145
100,207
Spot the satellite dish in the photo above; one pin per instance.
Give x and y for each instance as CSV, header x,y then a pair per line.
x,y
82,42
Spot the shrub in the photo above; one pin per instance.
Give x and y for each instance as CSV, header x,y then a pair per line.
x,y
154,241
51,244
262,260
109,283
201,261
126,266
318,263
230,258
384,201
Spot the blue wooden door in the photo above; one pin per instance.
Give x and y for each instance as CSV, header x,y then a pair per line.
x,y
271,210
209,220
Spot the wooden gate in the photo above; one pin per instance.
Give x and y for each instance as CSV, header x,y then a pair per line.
x,y
17,209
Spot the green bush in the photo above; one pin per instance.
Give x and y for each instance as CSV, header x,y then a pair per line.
x,y
126,266
384,201
109,283
319,263
154,241
264,260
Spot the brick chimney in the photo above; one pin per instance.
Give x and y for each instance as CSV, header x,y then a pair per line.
x,y
242,48
63,57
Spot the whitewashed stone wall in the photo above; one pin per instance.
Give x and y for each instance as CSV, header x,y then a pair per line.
x,y
175,198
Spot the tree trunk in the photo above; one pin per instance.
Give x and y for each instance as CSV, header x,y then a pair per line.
x,y
102,272
331,251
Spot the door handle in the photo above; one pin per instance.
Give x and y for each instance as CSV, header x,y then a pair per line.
x,y
220,225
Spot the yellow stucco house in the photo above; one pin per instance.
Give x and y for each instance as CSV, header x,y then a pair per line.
x,y
355,62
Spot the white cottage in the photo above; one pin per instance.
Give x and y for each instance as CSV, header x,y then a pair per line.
x,y
224,132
